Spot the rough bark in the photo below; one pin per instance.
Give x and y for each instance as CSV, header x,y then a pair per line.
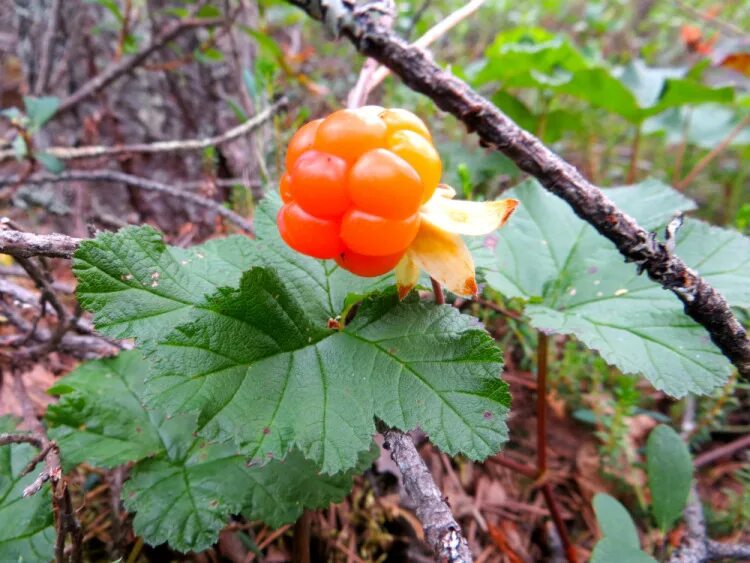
x,y
441,530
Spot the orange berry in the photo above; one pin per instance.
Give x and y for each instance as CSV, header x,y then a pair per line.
x,y
302,140
307,234
350,133
318,182
384,184
421,155
368,266
377,236
400,119
285,188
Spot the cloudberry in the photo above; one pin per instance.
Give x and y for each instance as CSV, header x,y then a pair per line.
x,y
353,186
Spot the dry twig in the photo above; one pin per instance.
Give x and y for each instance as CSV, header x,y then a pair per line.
x,y
136,182
175,146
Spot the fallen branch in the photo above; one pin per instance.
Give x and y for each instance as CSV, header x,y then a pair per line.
x,y
701,301
441,529
175,146
136,182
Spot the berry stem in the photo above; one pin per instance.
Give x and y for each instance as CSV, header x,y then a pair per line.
x,y
438,290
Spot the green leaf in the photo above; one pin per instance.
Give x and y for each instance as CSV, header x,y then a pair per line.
x,y
670,472
535,58
208,11
31,536
258,368
209,55
88,429
181,488
609,549
40,110
282,490
50,162
259,365
615,521
576,282
138,287
704,126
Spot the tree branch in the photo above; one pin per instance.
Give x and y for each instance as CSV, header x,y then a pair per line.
x,y
125,65
25,245
175,146
701,301
48,47
441,530
137,182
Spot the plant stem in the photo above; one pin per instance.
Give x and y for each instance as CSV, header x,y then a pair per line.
x,y
542,352
634,151
570,550
301,552
541,404
716,151
438,290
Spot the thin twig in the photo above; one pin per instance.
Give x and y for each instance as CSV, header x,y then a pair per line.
x,y
726,450
175,146
25,245
722,24
136,182
416,68
47,49
431,35
713,153
125,65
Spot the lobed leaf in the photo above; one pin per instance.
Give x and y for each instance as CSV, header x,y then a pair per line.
x,y
257,369
181,488
575,282
31,537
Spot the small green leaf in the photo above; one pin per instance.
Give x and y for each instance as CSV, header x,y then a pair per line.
x,y
40,110
50,162
615,521
670,472
209,11
610,550
31,537
209,55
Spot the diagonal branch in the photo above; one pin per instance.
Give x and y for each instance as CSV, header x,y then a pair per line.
x,y
136,182
416,68
441,530
125,65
